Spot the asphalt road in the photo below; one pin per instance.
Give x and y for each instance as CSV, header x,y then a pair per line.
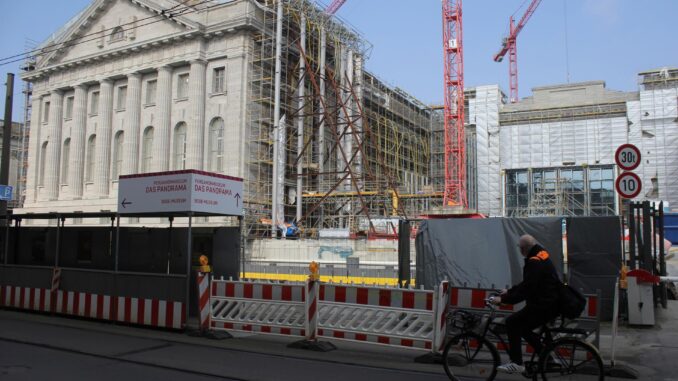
x,y
34,347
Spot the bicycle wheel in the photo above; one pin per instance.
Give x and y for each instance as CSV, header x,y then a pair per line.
x,y
571,359
468,354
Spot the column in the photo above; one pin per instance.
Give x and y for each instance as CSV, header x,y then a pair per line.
x,y
77,159
130,159
103,142
161,136
34,149
56,99
196,126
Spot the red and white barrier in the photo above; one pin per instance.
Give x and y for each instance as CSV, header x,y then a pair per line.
x,y
204,300
56,278
26,298
150,312
389,316
258,307
312,309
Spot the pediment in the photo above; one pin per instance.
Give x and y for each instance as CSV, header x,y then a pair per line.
x,y
109,25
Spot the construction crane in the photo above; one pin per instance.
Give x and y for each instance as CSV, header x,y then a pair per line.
x,y
508,45
334,7
455,145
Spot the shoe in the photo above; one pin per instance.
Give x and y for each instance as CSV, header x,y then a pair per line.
x,y
511,368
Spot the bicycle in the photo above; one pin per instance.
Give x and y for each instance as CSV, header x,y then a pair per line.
x,y
565,356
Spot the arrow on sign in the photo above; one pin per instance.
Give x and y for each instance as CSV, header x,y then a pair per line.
x,y
125,203
237,199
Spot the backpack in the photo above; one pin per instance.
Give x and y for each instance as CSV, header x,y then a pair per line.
x,y
571,301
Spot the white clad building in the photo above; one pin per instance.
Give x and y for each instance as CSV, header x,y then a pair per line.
x,y
553,153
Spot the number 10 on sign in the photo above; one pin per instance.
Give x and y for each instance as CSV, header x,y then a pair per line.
x,y
628,185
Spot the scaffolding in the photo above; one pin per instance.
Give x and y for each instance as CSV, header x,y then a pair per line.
x,y
339,147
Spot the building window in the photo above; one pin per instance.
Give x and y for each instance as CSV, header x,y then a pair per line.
x,y
218,80
216,146
91,156
65,155
182,86
117,34
45,114
68,114
180,146
117,154
147,150
94,103
517,192
601,190
122,97
150,92
43,162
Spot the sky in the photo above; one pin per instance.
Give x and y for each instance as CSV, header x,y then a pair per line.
x,y
579,40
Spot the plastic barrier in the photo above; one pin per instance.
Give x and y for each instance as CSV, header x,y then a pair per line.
x,y
259,307
150,312
387,316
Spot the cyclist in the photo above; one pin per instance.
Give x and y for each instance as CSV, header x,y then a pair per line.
x,y
539,290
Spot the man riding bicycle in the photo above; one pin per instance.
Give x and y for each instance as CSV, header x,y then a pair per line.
x,y
539,290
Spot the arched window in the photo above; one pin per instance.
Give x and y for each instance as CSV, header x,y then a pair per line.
x,y
91,157
180,146
147,150
216,146
117,34
65,156
117,154
43,158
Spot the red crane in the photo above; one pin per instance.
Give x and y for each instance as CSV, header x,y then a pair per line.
x,y
509,45
455,144
334,7
455,147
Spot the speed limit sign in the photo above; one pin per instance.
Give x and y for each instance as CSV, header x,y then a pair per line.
x,y
627,157
628,185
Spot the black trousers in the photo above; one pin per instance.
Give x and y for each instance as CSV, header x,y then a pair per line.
x,y
522,324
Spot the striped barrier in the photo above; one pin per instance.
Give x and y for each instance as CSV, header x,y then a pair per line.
x,y
278,309
387,316
149,312
204,300
56,279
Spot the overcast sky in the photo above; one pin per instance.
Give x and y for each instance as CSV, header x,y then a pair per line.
x,y
610,40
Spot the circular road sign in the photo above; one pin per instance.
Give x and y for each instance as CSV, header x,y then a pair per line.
x,y
628,185
627,157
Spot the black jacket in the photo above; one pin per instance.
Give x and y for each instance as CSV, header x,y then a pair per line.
x,y
539,287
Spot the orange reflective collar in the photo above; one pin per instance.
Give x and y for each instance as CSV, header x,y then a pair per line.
x,y
541,256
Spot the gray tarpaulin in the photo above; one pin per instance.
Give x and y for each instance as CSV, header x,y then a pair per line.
x,y
481,251
594,251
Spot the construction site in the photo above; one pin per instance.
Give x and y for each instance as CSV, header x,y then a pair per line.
x,y
334,157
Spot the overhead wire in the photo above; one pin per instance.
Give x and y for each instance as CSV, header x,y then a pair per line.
x,y
56,46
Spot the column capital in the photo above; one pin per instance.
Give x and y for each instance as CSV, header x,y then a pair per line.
x,y
134,75
105,80
56,92
198,61
166,68
81,86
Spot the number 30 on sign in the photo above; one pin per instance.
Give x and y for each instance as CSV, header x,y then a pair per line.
x,y
628,185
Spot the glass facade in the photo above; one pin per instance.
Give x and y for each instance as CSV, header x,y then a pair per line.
x,y
578,191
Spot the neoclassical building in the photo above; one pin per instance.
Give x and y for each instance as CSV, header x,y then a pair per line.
x,y
273,92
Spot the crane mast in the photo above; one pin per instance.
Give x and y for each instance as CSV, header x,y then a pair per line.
x,y
454,142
